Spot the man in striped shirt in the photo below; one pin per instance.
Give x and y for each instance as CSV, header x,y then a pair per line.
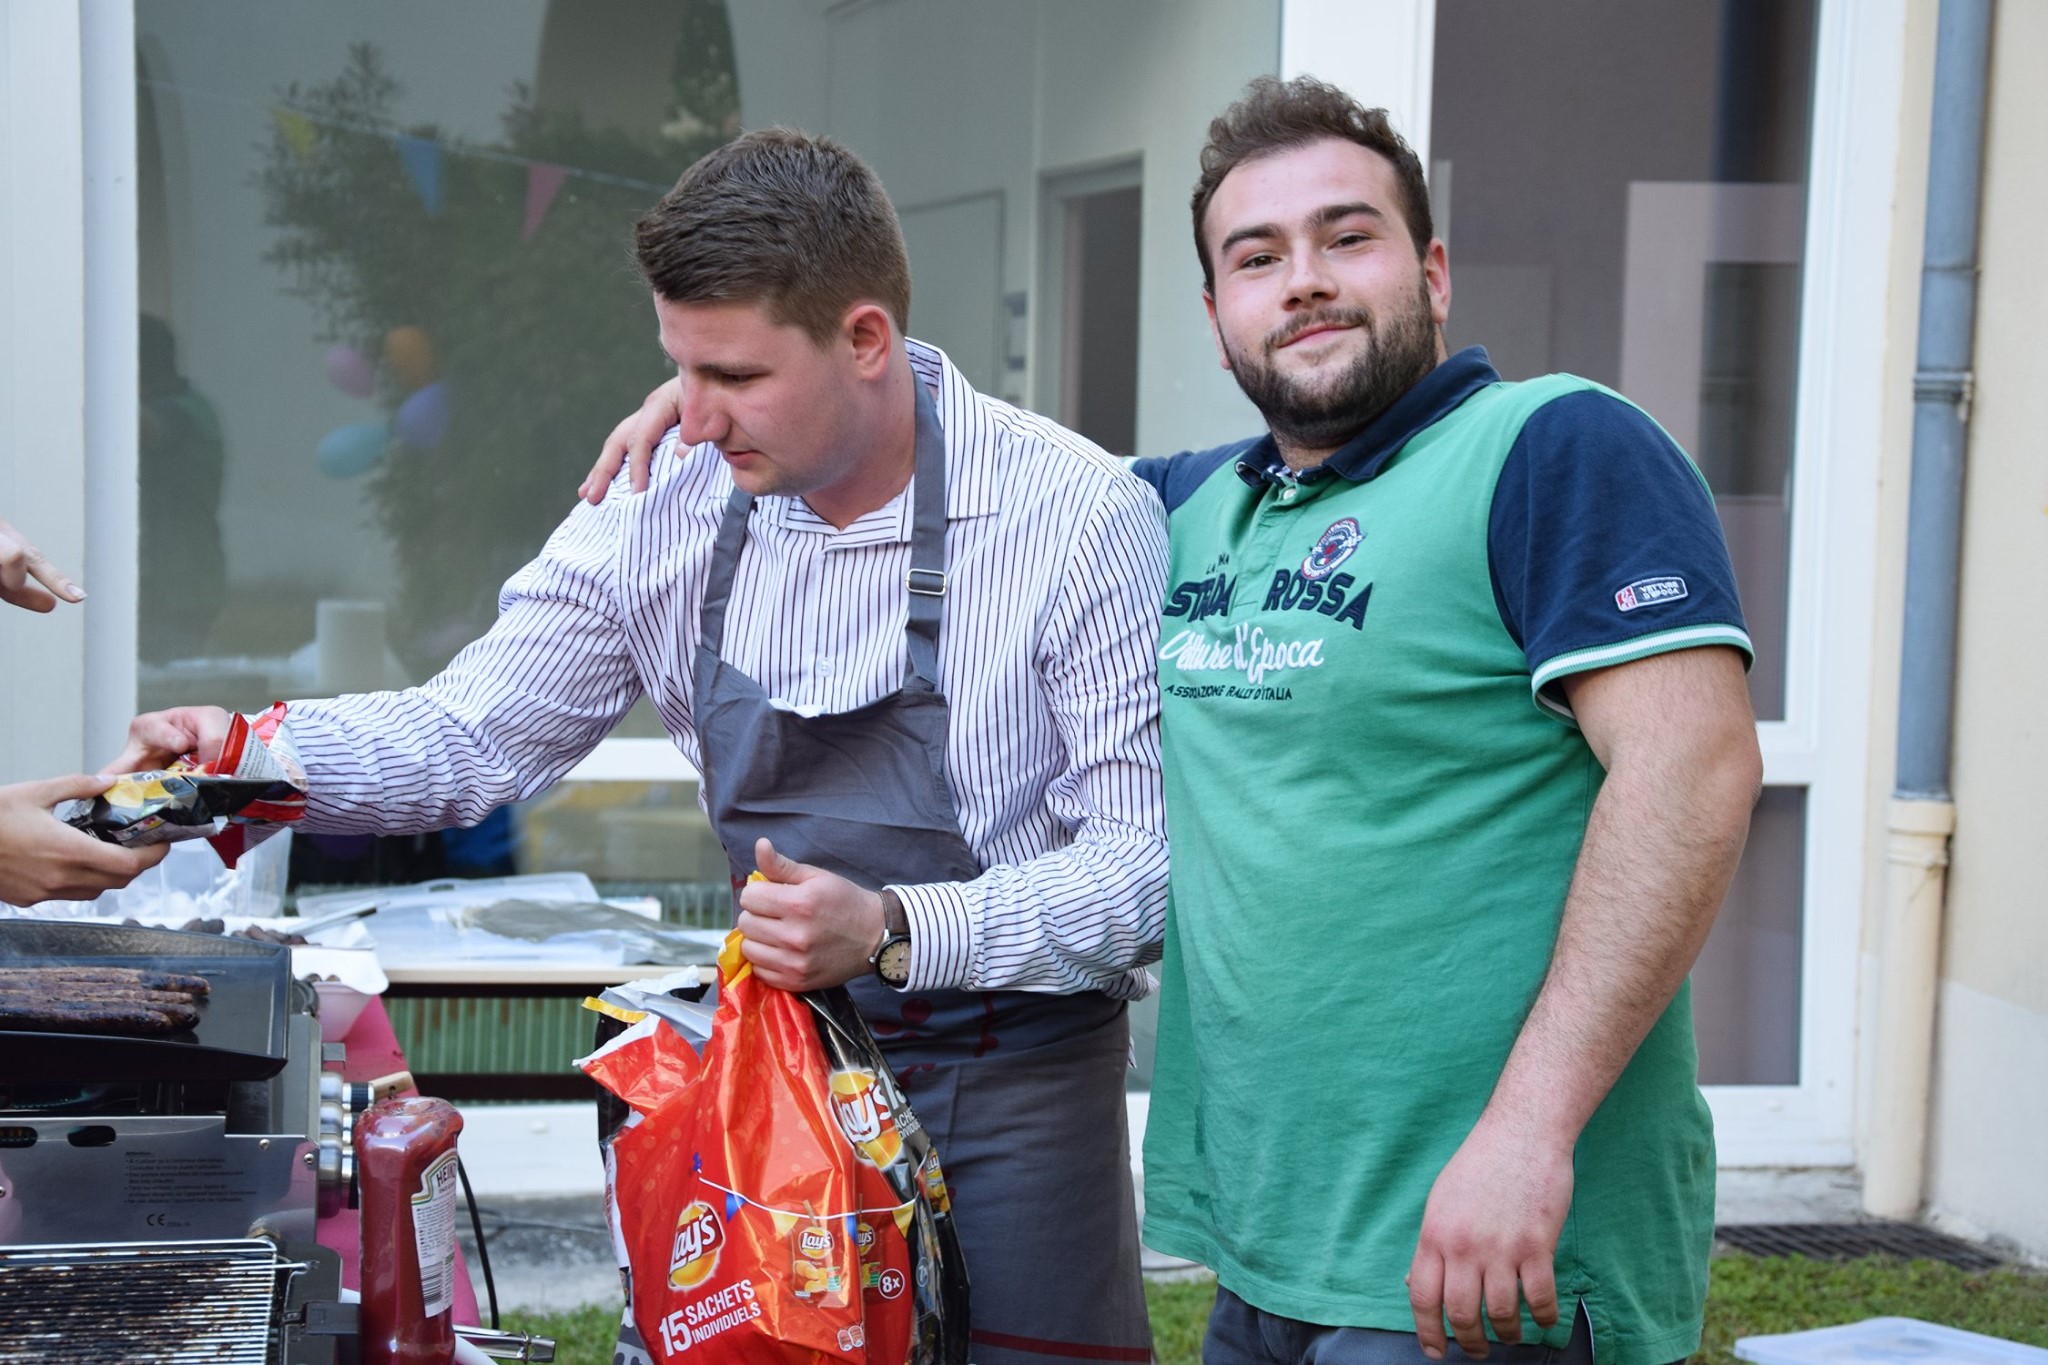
x,y
843,541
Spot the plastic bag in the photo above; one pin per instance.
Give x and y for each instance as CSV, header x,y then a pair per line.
x,y
249,792
777,1199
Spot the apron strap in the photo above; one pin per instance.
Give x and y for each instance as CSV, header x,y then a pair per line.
x,y
926,580
725,558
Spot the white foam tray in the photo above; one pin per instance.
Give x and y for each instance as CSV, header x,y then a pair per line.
x,y
1887,1339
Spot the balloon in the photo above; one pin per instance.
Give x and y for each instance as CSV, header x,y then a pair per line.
x,y
423,418
346,452
409,355
349,370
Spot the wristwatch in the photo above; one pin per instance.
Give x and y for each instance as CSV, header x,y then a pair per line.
x,y
891,958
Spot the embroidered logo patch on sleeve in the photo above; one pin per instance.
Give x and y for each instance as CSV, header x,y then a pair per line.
x,y
1649,592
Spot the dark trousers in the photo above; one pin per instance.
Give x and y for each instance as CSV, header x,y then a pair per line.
x,y
1240,1334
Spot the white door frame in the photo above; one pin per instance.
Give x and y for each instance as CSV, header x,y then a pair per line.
x,y
1383,51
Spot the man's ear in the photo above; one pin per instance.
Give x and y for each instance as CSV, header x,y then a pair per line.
x,y
869,332
1436,277
1215,332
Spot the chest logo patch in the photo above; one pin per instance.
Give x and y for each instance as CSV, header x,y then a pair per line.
x,y
1332,548
1650,592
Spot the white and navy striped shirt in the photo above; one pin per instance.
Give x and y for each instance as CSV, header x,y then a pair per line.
x,y
1056,563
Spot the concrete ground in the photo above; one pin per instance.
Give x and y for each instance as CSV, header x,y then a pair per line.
x,y
540,1189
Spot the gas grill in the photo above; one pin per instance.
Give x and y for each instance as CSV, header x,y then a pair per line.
x,y
158,1194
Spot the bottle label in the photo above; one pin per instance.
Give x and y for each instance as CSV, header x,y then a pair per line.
x,y
433,1232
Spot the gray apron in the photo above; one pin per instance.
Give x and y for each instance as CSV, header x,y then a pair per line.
x,y
1022,1091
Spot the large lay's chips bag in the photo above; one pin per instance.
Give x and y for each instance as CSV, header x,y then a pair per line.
x,y
238,800
777,1200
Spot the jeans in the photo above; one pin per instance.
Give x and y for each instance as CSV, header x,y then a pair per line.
x,y
1240,1334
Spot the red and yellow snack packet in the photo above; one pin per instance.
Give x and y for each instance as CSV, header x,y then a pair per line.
x,y
780,1202
236,801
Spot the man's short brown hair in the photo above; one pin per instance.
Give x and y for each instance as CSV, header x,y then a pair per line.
x,y
794,222
1275,115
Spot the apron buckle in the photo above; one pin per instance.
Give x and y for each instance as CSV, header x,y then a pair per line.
x,y
926,582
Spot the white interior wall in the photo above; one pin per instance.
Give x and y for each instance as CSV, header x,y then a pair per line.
x,y
907,83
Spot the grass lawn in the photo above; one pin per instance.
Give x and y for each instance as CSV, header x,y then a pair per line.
x,y
1749,1297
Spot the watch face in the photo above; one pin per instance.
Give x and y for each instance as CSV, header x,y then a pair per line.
x,y
892,964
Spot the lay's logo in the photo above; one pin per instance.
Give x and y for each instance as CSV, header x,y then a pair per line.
x,y
815,1243
699,1235
861,1107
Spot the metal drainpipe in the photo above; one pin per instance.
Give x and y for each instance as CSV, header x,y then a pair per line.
x,y
1922,815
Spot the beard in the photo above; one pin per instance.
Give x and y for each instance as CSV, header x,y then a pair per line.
x,y
1320,412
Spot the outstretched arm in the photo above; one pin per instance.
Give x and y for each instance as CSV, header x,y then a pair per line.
x,y
1677,738
508,716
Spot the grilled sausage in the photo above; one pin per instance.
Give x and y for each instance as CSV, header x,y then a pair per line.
x,y
118,1018
134,977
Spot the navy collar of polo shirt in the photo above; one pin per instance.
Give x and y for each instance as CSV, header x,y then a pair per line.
x,y
1362,457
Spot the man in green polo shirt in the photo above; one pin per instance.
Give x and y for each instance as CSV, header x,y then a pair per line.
x,y
1459,763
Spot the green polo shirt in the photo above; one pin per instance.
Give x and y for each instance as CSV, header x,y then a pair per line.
x,y
1375,802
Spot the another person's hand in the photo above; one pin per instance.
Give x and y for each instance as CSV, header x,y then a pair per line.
x,y
44,859
634,439
157,738
1489,1240
21,562
805,928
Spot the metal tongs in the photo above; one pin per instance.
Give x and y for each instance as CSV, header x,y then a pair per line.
x,y
306,928
508,1345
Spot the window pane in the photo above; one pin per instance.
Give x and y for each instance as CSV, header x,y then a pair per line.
x,y
1623,190
1745,987
390,309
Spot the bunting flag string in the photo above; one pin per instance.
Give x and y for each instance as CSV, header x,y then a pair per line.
x,y
543,182
297,130
734,1200
421,156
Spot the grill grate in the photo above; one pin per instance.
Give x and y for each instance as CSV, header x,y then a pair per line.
x,y
146,1303
1847,1241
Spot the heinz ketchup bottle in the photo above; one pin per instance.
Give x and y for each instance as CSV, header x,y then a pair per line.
x,y
405,1161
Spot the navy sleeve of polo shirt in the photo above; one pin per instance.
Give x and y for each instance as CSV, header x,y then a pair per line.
x,y
1605,546
1178,476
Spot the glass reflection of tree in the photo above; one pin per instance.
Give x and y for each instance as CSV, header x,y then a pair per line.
x,y
539,343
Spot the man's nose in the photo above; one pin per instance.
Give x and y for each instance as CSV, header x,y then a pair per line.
x,y
1309,280
701,418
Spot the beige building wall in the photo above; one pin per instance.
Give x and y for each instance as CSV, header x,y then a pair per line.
x,y
1988,1153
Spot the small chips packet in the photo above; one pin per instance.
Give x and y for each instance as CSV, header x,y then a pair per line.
x,y
248,793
